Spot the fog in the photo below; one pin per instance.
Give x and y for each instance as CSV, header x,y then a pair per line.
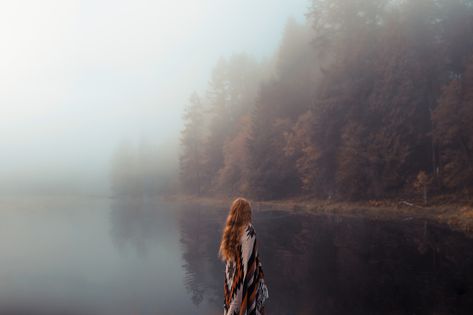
x,y
77,78
128,127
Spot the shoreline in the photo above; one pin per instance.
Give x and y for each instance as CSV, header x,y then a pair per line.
x,y
457,215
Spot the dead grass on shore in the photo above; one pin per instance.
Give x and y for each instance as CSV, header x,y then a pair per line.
x,y
458,215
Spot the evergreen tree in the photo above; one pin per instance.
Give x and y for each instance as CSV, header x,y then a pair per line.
x,y
192,139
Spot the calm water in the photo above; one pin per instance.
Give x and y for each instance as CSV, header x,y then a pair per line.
x,y
103,256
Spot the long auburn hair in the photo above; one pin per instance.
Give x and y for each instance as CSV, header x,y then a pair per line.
x,y
238,217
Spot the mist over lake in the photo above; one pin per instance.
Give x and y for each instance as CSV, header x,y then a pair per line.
x,y
128,129
142,256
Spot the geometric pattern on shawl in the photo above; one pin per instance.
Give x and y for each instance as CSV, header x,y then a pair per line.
x,y
242,277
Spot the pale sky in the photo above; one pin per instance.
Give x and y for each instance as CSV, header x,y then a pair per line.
x,y
77,77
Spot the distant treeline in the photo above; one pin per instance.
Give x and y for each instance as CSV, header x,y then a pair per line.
x,y
371,99
141,170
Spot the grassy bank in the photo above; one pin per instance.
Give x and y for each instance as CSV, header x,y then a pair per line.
x,y
457,214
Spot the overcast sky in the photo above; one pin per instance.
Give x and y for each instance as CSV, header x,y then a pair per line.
x,y
77,77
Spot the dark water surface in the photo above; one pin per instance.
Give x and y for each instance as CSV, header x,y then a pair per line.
x,y
123,256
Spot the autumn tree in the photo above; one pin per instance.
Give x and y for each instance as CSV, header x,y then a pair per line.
x,y
454,131
357,105
398,117
231,96
272,173
233,176
192,139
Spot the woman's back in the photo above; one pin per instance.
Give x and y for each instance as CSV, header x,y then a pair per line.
x,y
244,288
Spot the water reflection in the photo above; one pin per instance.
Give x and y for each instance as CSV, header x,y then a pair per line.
x,y
147,227
135,222
142,256
340,265
200,230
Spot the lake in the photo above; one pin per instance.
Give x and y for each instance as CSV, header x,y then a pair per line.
x,y
142,256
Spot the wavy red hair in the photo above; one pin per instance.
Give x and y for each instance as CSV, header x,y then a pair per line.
x,y
238,217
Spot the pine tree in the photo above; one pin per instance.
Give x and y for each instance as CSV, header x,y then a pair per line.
x,y
192,139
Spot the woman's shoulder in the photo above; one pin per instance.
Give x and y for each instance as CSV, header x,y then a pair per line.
x,y
248,241
249,231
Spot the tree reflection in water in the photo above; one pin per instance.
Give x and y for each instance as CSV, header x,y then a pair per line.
x,y
146,232
200,232
324,264
134,222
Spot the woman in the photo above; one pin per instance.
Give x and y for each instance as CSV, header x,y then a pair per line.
x,y
244,288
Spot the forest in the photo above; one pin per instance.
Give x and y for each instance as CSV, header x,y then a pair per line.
x,y
368,99
141,169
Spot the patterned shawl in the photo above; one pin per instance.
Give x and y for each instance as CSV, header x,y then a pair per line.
x,y
244,287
